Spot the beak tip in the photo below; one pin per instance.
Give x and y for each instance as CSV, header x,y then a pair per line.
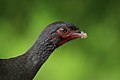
x,y
83,35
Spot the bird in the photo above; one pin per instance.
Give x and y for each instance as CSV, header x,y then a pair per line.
x,y
26,66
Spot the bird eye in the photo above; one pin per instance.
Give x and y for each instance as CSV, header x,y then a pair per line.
x,y
64,30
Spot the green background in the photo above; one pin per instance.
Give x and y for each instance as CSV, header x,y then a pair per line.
x,y
94,58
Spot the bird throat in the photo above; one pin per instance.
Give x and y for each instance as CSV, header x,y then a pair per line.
x,y
66,40
39,52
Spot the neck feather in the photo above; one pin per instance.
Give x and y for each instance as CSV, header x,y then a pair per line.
x,y
39,53
29,63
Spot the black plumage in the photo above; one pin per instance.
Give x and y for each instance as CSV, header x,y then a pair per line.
x,y
25,67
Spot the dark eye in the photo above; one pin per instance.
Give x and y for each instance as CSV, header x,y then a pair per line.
x,y
64,30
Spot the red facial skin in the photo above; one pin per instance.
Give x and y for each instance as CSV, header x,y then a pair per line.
x,y
67,36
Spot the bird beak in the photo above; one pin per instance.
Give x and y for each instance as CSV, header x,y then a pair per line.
x,y
73,35
79,34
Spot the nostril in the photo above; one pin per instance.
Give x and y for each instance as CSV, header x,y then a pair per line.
x,y
78,31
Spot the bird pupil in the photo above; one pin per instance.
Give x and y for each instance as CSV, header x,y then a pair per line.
x,y
63,30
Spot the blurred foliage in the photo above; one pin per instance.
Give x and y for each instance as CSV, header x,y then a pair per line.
x,y
94,58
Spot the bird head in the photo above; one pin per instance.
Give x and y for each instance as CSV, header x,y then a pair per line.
x,y
62,32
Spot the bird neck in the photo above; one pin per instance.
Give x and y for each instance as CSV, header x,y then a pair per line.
x,y
40,51
38,54
26,66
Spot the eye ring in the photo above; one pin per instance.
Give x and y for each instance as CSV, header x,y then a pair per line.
x,y
63,30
